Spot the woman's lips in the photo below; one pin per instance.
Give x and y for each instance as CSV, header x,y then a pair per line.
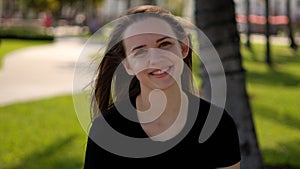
x,y
160,72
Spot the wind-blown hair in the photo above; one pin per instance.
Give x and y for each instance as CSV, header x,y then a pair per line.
x,y
107,83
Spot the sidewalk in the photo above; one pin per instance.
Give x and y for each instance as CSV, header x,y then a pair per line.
x,y
274,40
39,72
47,71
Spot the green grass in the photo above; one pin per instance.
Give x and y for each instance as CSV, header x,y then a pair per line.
x,y
46,134
41,134
9,45
275,96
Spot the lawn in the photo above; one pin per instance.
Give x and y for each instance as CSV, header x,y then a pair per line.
x,y
8,45
46,134
41,134
275,96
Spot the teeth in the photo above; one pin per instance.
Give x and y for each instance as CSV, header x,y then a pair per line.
x,y
160,71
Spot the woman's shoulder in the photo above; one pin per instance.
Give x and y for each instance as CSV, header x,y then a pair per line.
x,y
206,107
110,116
211,116
195,99
122,118
117,111
215,128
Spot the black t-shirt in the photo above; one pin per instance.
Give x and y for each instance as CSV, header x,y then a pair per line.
x,y
221,149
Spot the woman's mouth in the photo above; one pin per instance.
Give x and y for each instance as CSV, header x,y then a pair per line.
x,y
161,72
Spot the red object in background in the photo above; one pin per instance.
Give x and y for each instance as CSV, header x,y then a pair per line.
x,y
278,20
256,19
47,20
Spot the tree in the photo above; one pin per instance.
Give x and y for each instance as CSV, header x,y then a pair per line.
x,y
41,5
293,45
149,2
248,43
217,20
267,33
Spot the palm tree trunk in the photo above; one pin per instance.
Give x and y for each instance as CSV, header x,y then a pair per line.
x,y
128,4
248,43
267,33
150,2
217,20
293,45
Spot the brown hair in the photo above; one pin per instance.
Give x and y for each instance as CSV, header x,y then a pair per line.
x,y
115,53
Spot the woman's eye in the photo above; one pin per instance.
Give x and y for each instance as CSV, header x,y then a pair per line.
x,y
165,44
140,52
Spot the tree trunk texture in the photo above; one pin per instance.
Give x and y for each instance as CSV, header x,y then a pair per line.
x,y
217,20
149,2
293,44
248,43
267,33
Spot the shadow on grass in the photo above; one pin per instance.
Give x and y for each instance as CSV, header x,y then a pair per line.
x,y
285,157
274,77
51,157
278,54
281,118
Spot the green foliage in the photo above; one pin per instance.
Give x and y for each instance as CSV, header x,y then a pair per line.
x,y
51,5
34,33
175,6
42,5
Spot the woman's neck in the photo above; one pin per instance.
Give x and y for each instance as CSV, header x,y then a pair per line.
x,y
158,110
169,99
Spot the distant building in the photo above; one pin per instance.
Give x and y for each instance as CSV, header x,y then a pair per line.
x,y
112,9
277,15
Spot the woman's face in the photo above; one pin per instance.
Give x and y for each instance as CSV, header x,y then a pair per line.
x,y
154,54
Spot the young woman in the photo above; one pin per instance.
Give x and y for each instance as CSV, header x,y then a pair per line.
x,y
145,112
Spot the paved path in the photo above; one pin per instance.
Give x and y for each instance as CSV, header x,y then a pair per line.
x,y
38,72
46,71
275,40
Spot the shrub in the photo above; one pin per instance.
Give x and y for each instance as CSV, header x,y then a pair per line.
x,y
34,33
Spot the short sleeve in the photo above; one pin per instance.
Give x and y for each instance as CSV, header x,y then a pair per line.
x,y
91,153
94,153
95,156
225,142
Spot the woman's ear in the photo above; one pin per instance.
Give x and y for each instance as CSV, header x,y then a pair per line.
x,y
185,46
127,67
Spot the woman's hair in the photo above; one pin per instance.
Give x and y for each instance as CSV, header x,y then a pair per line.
x,y
114,54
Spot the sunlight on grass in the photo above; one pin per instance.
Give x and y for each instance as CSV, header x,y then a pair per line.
x,y
41,134
274,93
9,45
47,134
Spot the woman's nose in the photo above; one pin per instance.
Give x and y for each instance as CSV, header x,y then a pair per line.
x,y
155,56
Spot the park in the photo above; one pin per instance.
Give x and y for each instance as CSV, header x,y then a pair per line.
x,y
41,129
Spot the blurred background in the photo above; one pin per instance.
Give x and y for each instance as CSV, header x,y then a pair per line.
x,y
41,40
89,15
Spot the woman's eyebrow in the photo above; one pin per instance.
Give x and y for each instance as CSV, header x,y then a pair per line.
x,y
138,47
157,41
163,38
